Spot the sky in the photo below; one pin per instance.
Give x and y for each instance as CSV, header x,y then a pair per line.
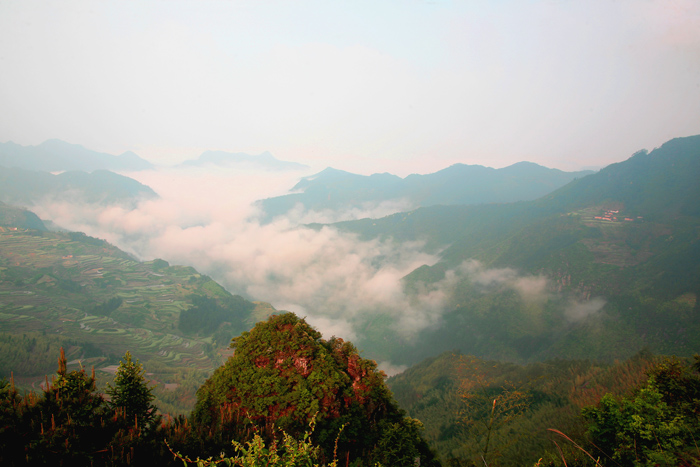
x,y
366,86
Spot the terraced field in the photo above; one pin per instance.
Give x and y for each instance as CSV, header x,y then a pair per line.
x,y
92,294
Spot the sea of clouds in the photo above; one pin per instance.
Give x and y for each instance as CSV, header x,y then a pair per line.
x,y
209,219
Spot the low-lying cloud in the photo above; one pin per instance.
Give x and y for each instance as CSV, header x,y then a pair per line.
x,y
578,311
370,209
209,220
531,288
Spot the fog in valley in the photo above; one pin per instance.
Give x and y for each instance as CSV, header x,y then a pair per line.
x,y
208,218
436,233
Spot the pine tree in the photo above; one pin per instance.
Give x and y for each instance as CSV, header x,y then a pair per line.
x,y
131,392
67,421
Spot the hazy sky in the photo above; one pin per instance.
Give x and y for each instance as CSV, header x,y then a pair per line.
x,y
368,86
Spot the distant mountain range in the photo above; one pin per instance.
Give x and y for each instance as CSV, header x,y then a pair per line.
x,y
623,242
458,184
229,159
26,187
56,156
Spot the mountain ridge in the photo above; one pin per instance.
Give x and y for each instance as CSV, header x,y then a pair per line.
x,y
458,184
264,160
25,187
55,155
623,242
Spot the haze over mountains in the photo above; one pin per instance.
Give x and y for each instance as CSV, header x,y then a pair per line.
x,y
584,270
605,268
28,187
410,178
54,155
459,184
264,160
575,273
12,216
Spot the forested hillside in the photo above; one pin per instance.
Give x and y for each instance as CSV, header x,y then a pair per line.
x,y
642,410
600,268
551,314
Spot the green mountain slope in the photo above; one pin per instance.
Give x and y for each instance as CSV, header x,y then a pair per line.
x,y
452,395
616,257
95,300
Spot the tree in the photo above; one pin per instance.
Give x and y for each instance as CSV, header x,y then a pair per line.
x,y
131,392
283,375
655,425
69,419
10,423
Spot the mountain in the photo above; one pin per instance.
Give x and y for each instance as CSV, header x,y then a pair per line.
x,y
264,161
458,184
18,218
284,375
600,268
71,290
26,187
55,156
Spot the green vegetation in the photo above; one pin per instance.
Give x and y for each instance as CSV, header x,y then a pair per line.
x,y
453,395
624,242
657,424
290,452
282,379
14,217
70,423
283,376
131,393
639,412
643,411
619,252
81,293
206,315
33,354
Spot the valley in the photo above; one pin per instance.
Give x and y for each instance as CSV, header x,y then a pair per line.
x,y
586,286
350,234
